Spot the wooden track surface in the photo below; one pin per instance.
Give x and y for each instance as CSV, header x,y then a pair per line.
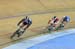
x,y
49,8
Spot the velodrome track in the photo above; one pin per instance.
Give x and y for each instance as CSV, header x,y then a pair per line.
x,y
58,40
33,29
9,18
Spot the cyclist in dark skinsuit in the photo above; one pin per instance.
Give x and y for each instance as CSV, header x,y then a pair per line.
x,y
26,21
23,25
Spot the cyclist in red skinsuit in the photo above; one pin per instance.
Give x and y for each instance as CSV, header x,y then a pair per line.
x,y
54,21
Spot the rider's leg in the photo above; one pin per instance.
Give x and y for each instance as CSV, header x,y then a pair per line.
x,y
51,27
21,27
61,26
27,26
19,30
64,23
22,30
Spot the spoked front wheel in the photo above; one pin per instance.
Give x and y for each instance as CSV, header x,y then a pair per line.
x,y
50,28
60,27
17,32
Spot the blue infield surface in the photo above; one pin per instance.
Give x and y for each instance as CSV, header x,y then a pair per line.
x,y
63,42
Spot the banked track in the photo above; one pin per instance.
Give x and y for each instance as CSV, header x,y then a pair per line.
x,y
40,12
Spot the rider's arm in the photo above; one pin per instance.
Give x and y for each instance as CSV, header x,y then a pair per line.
x,y
49,21
20,22
62,19
57,22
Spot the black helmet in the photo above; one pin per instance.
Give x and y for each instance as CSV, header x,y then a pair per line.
x,y
54,17
27,17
